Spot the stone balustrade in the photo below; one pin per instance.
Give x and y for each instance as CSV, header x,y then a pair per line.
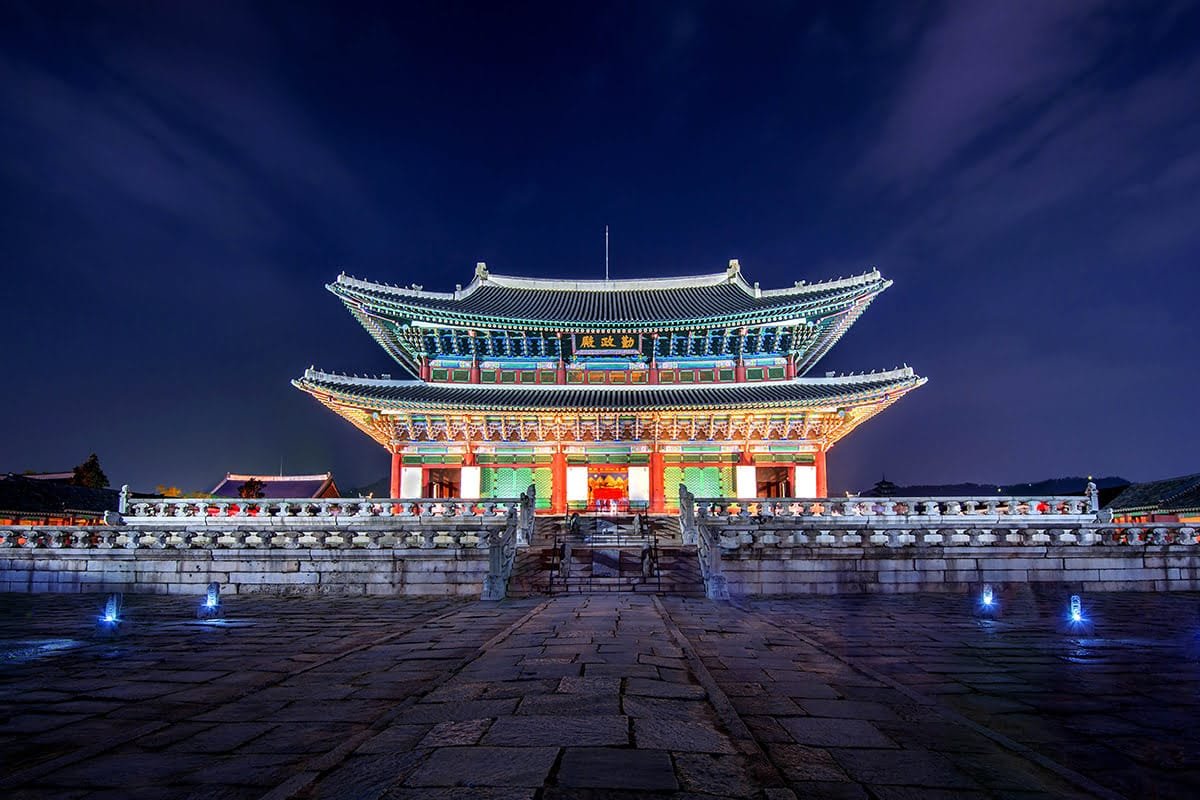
x,y
339,512
245,537
830,534
868,510
422,547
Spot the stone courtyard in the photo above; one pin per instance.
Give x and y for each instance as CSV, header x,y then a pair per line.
x,y
601,696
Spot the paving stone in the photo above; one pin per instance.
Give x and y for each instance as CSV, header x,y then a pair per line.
x,y
452,734
452,712
806,764
393,738
485,766
611,768
571,704
915,768
666,689
848,709
714,774
525,731
660,708
680,736
825,732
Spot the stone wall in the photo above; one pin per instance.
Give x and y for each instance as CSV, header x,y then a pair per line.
x,y
852,570
449,572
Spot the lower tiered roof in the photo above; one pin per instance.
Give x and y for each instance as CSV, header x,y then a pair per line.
x,y
386,394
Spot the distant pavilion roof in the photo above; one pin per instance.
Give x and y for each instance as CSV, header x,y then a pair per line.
x,y
1168,496
280,486
722,298
386,394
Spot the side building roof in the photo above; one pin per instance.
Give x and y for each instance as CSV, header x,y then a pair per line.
x,y
1169,495
385,394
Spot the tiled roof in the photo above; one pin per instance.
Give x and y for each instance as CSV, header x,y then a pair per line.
x,y
32,496
1172,494
278,486
721,298
802,392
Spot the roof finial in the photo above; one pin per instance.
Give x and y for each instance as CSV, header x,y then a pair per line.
x,y
481,270
734,268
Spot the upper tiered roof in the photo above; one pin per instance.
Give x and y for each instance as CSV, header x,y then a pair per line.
x,y
709,300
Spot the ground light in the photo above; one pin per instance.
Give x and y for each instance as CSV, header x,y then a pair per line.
x,y
109,621
210,606
987,606
1076,612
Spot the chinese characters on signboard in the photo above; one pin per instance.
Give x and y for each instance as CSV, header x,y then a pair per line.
x,y
607,343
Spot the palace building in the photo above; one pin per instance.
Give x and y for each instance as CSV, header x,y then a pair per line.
x,y
609,394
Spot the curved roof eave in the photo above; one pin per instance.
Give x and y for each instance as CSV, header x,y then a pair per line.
x,y
857,389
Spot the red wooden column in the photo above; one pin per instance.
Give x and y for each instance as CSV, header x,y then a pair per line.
x,y
395,486
558,483
657,491
822,483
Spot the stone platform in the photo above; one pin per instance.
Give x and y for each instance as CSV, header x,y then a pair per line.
x,y
601,697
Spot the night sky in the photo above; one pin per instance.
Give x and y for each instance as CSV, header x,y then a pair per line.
x,y
180,180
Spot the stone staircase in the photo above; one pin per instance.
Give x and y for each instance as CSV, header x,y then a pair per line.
x,y
606,556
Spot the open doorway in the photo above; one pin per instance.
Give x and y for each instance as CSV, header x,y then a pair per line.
x,y
442,482
773,481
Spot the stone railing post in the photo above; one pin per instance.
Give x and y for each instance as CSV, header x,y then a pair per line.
x,y
687,515
501,552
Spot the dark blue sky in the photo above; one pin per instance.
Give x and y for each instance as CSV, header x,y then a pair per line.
x,y
179,180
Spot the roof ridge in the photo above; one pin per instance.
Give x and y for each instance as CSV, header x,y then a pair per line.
x,y
731,276
237,476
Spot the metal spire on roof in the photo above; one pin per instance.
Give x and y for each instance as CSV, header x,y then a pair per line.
x,y
605,252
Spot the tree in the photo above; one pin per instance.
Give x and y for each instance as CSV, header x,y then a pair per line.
x,y
89,474
251,489
168,491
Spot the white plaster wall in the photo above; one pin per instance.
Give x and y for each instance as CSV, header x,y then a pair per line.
x,y
806,481
469,482
577,488
410,481
639,484
745,480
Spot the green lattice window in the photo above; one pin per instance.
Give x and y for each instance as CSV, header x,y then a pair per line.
x,y
700,481
726,375
460,375
754,373
510,482
775,373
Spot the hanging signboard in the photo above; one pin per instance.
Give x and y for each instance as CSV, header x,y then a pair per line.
x,y
614,343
